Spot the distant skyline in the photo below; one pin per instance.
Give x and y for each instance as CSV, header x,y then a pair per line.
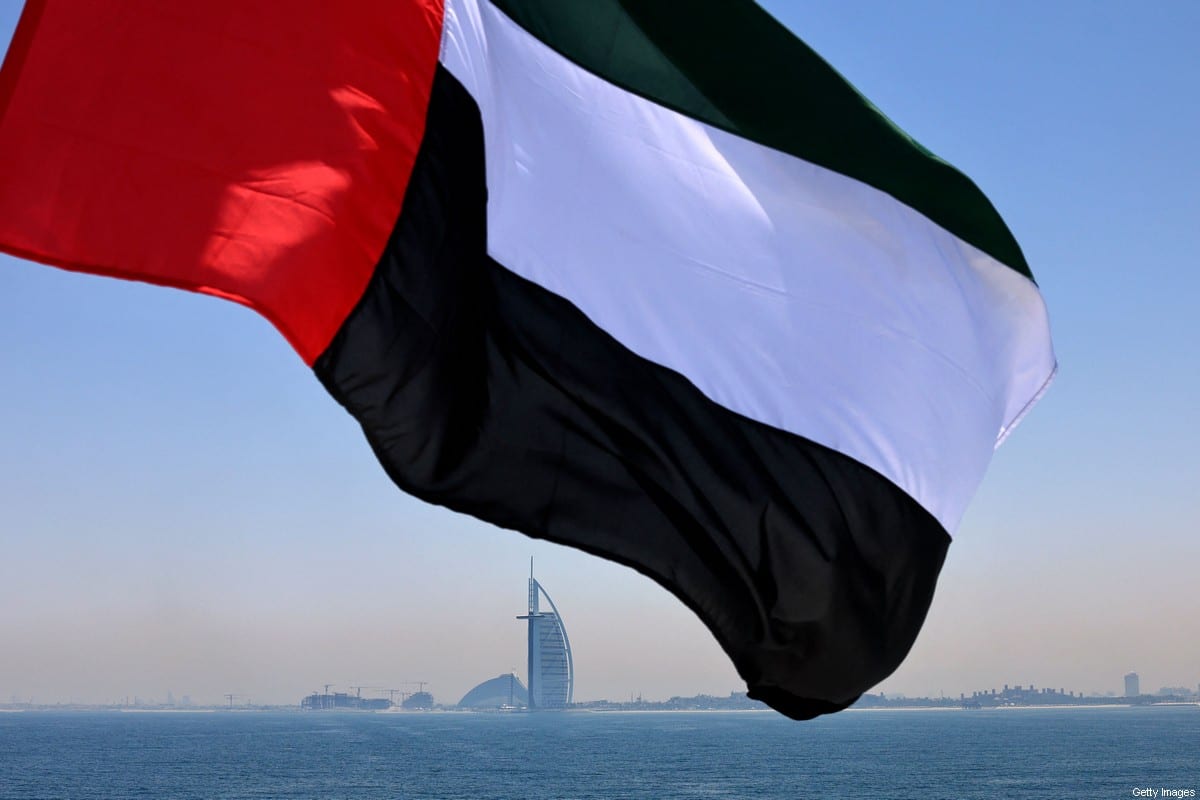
x,y
183,508
1027,692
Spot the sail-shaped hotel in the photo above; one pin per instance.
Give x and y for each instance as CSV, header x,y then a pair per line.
x,y
551,669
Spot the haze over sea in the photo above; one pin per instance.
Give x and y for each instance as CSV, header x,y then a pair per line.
x,y
1010,753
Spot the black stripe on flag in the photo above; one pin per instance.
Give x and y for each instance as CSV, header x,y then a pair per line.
x,y
488,394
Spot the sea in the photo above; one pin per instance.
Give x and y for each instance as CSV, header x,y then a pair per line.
x,y
985,753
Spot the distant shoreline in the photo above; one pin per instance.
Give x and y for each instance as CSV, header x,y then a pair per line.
x,y
64,709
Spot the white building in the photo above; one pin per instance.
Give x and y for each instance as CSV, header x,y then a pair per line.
x,y
551,670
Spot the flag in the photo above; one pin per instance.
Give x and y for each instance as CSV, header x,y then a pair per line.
x,y
660,286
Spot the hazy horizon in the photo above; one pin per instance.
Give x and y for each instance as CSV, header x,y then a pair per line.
x,y
184,508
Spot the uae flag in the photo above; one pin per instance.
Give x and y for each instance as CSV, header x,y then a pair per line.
x,y
642,277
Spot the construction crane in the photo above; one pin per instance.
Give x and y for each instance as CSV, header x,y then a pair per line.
x,y
405,695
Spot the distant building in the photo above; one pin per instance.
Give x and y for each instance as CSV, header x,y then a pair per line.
x,y
340,701
418,701
1017,695
1132,685
551,669
503,691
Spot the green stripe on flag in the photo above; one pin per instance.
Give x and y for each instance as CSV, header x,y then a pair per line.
x,y
731,65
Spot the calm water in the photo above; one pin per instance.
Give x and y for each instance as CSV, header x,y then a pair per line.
x,y
1021,753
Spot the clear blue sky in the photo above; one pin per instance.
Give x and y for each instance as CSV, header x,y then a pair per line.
x,y
183,508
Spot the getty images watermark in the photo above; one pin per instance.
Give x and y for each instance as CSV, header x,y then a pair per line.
x,y
1163,792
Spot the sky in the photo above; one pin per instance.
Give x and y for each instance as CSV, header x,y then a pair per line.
x,y
183,508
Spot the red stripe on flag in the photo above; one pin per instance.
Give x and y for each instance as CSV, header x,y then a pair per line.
x,y
247,149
